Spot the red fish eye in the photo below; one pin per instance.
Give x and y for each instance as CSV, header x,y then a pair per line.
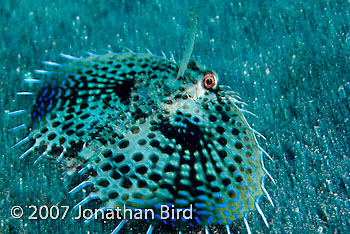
x,y
209,81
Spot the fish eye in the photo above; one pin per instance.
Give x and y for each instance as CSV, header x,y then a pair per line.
x,y
209,80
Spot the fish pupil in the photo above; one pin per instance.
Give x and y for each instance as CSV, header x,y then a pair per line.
x,y
209,81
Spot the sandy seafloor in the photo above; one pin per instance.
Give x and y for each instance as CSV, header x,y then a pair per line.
x,y
289,60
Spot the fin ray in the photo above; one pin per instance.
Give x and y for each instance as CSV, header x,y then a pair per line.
x,y
34,81
49,63
120,225
17,128
70,57
261,213
21,142
79,187
90,197
15,113
27,152
150,229
25,93
42,72
266,193
247,225
228,229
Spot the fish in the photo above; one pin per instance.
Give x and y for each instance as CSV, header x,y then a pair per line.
x,y
145,136
145,132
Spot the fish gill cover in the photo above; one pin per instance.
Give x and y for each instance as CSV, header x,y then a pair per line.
x,y
277,55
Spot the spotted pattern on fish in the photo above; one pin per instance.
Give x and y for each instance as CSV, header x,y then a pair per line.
x,y
146,137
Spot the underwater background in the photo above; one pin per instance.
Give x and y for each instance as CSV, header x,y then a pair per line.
x,y
289,61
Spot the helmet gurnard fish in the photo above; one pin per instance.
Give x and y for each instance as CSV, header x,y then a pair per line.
x,y
146,137
144,132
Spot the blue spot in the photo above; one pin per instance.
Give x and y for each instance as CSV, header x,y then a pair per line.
x,y
221,205
52,93
200,205
197,219
165,222
157,216
149,202
137,202
58,93
220,221
234,214
183,219
50,105
182,201
226,213
216,195
218,215
45,92
203,212
210,219
183,193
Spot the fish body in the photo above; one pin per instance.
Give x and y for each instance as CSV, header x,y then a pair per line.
x,y
146,137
